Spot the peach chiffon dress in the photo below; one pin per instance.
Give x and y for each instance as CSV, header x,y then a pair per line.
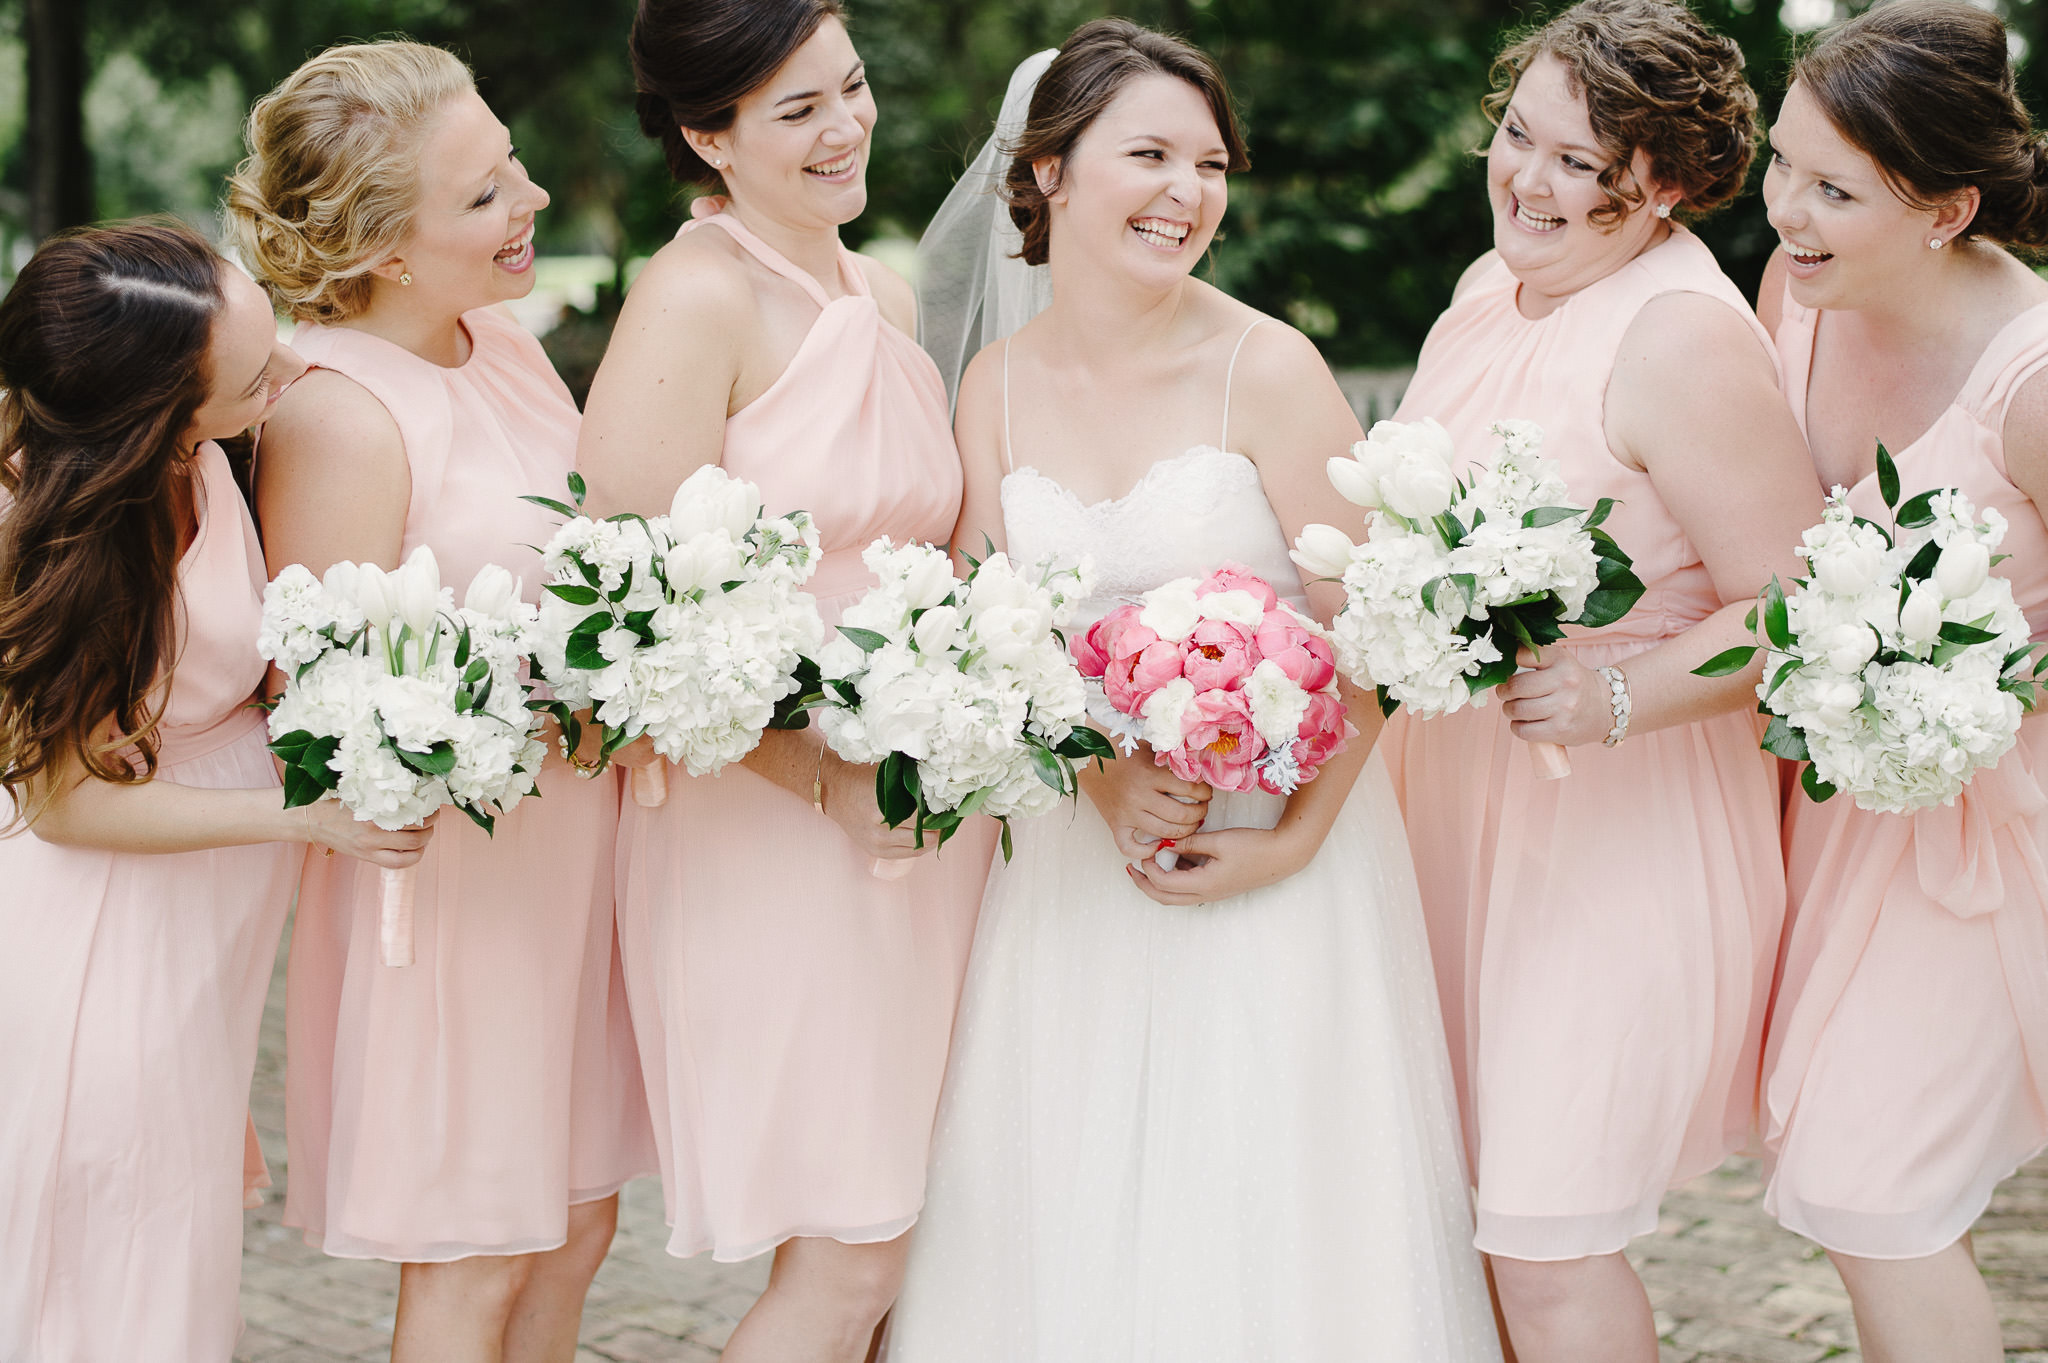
x,y
459,1105
1604,942
793,1009
131,992
1906,1071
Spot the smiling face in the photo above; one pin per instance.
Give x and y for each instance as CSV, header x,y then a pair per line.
x,y
1542,177
247,367
471,240
1145,187
797,150
1845,235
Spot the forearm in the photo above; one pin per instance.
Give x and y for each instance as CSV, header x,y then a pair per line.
x,y
161,816
1313,808
1662,688
791,758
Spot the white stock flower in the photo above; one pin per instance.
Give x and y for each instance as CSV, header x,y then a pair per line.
x,y
1277,703
1165,714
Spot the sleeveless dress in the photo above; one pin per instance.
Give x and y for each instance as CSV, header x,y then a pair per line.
x,y
1604,942
131,992
1210,1134
457,1106
1907,1065
793,1009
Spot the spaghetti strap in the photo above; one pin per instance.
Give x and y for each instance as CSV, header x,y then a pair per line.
x,y
853,279
1008,458
1228,375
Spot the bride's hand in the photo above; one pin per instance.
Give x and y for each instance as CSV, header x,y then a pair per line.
x,y
1143,803
1218,865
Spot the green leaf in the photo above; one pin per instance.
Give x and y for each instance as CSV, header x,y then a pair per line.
x,y
1917,511
559,508
287,747
487,822
1605,605
896,789
590,574
865,639
1600,512
1048,768
618,593
1085,742
1007,849
1609,550
300,788
575,595
582,653
1387,703
1429,592
1790,666
1447,526
462,648
1922,566
577,487
1726,663
1782,740
1956,632
476,671
438,760
1820,791
1777,621
1539,516
1491,675
971,806
1887,477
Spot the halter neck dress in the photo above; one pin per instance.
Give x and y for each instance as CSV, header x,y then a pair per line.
x,y
1906,1071
1604,942
459,1105
131,993
793,1009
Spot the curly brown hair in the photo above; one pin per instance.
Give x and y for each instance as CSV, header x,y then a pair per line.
x,y
1095,63
1655,79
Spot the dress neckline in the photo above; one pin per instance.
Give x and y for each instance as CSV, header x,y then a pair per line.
x,y
1145,479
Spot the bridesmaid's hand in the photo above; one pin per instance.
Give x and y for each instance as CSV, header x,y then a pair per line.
x,y
1218,865
1143,803
850,803
1557,700
325,823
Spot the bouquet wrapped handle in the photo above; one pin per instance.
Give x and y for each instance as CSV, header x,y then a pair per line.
x,y
1552,761
394,914
882,869
650,784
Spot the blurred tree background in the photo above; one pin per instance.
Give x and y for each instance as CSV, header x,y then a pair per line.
x,y
1363,203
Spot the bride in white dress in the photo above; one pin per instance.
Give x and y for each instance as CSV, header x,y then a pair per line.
x,y
1198,1115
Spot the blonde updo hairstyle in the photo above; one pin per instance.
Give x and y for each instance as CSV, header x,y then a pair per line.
x,y
331,182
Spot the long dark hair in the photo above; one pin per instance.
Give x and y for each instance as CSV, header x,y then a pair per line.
x,y
103,353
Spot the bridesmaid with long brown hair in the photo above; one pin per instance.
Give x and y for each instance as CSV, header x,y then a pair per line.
x,y
151,858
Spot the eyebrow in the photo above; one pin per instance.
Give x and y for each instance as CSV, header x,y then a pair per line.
x,y
814,94
1594,152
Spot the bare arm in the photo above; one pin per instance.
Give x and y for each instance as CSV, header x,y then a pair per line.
x,y
1694,402
332,481
978,429
2026,439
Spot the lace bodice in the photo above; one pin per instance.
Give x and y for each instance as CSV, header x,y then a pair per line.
x,y
1185,516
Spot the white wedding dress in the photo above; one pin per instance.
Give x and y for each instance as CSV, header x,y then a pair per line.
x,y
1214,1134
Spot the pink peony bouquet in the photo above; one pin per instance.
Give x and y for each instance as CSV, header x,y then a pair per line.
x,y
1227,683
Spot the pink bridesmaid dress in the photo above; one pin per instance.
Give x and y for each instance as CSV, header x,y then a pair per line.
x,y
131,992
793,1009
1604,942
459,1105
1906,1070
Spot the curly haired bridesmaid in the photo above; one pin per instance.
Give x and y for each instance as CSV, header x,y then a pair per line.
x,y
472,1116
146,894
793,1008
1907,1067
1604,942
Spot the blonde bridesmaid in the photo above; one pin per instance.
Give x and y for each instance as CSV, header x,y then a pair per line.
x,y
1907,1068
150,859
474,1115
1604,942
793,1006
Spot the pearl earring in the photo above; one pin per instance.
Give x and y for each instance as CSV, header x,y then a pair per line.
x,y
1662,210
1935,243
406,279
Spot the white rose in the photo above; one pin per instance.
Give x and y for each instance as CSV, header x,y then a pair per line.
x,y
1920,617
1164,711
712,499
1277,704
1236,606
1170,611
1962,568
1322,550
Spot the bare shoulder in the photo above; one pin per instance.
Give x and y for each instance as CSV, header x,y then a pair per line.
x,y
1770,295
702,275
327,416
1274,359
2026,437
1680,334
893,294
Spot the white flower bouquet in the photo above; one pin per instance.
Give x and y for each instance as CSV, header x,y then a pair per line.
x,y
690,628
397,701
962,691
1900,665
1452,579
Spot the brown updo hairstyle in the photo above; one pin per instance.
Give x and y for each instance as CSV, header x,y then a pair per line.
x,y
104,342
1924,88
695,60
331,183
1656,80
1093,66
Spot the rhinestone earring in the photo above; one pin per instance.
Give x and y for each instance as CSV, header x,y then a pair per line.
x,y
1662,210
405,280
1935,243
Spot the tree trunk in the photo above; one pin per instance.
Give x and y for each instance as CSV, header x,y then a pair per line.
x,y
59,164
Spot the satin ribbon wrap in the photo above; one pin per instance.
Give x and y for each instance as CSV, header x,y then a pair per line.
x,y
1953,849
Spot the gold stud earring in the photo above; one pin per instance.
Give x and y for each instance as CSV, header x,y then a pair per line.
x,y
406,279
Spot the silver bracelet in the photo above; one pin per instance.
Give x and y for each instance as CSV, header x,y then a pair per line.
x,y
1618,702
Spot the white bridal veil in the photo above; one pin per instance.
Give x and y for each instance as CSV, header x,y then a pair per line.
x,y
971,288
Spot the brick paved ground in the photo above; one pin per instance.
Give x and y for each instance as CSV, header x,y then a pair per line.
x,y
1729,1286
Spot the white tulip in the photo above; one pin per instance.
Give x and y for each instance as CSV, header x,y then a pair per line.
x,y
1847,567
1322,550
1920,617
1421,487
1962,568
492,592
343,580
929,581
712,499
1848,647
1354,482
417,591
935,629
373,592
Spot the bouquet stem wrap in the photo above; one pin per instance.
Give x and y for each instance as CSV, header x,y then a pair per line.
x,y
1553,763
882,869
650,784
394,914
